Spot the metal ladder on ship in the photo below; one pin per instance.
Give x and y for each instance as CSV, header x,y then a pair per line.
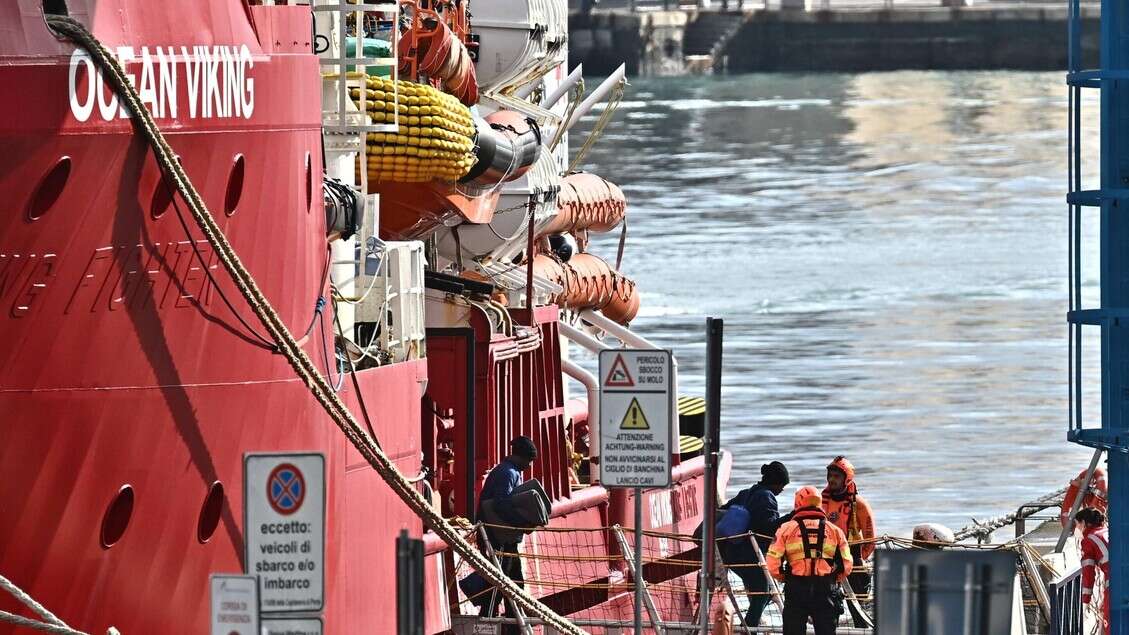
x,y
1111,316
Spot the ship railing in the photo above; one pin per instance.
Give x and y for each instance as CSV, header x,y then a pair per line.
x,y
467,623
349,71
1066,604
644,6
583,567
1030,511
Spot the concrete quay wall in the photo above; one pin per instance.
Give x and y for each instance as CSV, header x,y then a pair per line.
x,y
648,43
978,37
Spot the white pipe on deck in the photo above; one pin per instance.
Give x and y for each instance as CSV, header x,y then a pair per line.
x,y
580,337
595,346
590,102
592,385
527,90
597,95
566,85
622,333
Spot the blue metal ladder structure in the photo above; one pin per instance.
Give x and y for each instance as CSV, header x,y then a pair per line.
x,y
1111,79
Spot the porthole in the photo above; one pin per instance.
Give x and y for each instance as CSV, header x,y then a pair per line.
x,y
116,519
210,513
49,189
162,199
163,193
309,183
234,186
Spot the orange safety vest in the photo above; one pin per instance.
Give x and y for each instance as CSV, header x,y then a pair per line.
x,y
854,517
811,546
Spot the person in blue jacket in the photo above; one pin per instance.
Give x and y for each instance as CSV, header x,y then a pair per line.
x,y
764,519
499,486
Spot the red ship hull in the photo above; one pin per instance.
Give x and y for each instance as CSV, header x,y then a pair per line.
x,y
122,366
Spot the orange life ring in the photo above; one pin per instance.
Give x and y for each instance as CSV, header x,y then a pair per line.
x,y
1097,497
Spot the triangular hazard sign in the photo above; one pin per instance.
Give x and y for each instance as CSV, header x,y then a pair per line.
x,y
634,418
618,377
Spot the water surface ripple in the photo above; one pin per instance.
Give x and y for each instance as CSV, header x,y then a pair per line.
x,y
888,251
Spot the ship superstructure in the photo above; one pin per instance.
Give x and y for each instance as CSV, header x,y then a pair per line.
x,y
397,182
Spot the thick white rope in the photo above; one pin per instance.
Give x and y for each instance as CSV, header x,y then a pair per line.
x,y
29,602
51,623
288,347
26,622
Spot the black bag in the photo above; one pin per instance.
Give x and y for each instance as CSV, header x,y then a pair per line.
x,y
529,502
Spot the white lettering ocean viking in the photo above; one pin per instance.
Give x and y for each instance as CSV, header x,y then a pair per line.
x,y
217,78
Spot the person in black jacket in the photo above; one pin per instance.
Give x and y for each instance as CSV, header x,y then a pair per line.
x,y
499,486
764,520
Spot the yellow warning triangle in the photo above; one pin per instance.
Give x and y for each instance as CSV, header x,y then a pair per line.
x,y
634,418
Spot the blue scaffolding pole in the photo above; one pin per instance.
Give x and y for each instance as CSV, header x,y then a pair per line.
x,y
1112,215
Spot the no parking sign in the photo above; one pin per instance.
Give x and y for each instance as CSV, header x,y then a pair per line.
x,y
284,523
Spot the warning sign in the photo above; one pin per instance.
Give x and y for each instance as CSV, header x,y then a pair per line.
x,y
284,522
235,605
618,376
635,418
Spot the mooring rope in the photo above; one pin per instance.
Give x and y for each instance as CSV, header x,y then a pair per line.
x,y
50,623
303,367
981,529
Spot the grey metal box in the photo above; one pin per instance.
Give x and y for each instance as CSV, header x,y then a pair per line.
x,y
950,592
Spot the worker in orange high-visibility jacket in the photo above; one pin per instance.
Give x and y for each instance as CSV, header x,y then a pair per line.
x,y
851,513
1095,557
811,556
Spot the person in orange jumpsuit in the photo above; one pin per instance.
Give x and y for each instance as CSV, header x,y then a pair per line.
x,y
1096,497
851,513
811,556
1095,556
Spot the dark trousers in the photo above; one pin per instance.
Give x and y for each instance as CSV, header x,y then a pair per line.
x,y
511,566
756,585
806,597
860,584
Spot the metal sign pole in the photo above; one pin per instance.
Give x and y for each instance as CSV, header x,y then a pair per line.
x,y
638,560
409,585
712,442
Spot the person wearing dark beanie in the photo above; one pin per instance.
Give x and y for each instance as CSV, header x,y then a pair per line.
x,y
763,521
774,473
500,484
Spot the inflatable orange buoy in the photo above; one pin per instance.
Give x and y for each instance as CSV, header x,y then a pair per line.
x,y
587,202
590,283
1097,497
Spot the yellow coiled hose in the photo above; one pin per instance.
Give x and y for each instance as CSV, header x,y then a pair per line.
x,y
435,138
